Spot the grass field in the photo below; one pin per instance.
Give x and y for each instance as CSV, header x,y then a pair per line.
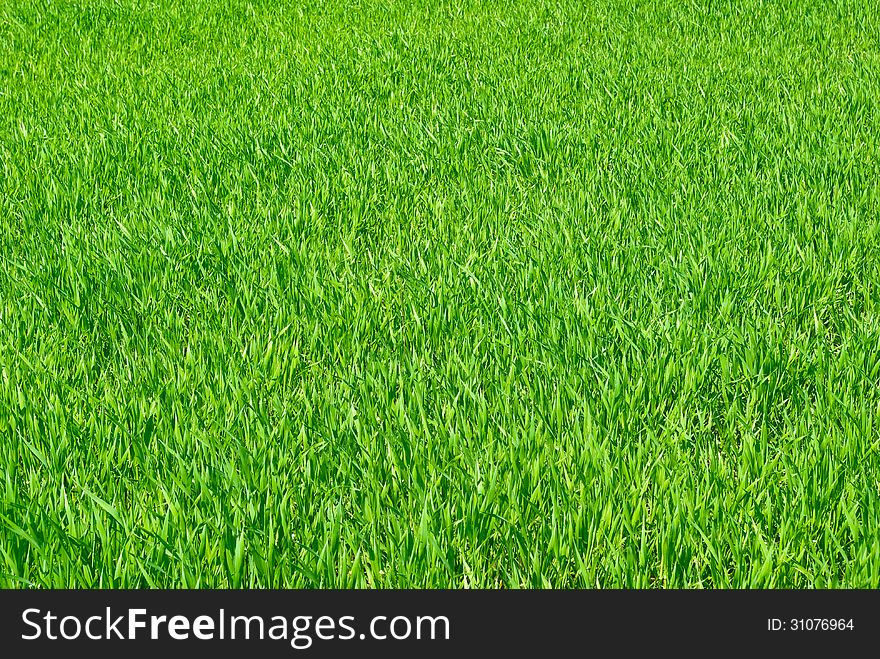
x,y
440,294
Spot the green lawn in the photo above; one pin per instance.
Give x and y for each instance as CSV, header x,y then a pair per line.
x,y
417,293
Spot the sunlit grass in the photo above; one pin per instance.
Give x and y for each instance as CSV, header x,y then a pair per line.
x,y
439,294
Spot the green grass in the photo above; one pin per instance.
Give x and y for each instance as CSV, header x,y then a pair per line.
x,y
440,294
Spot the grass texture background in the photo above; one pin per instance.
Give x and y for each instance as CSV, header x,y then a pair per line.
x,y
391,293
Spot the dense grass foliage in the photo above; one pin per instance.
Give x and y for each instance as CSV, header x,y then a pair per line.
x,y
426,293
